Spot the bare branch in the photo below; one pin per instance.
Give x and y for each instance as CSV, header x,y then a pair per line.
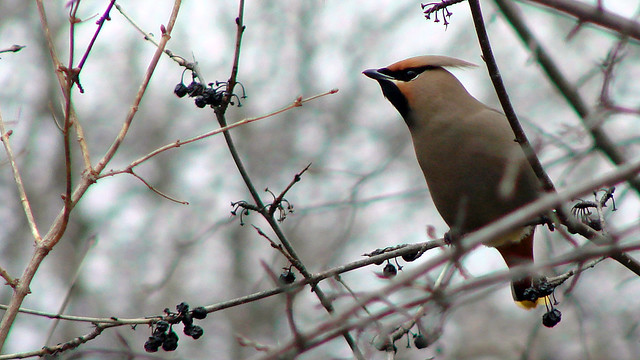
x,y
4,136
59,224
560,81
565,217
157,191
176,144
503,96
584,12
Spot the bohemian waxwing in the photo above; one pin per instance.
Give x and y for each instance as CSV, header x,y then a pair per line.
x,y
475,170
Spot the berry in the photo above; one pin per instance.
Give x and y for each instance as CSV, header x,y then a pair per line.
x,y
209,95
199,313
153,343
194,331
201,102
170,343
180,90
411,256
195,88
287,277
187,319
183,307
420,341
551,318
161,327
389,270
151,347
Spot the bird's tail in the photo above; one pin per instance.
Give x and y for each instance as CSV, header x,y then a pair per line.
x,y
520,253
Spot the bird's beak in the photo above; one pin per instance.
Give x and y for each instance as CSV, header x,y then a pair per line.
x,y
376,75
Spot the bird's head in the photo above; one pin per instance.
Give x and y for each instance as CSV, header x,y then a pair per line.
x,y
421,84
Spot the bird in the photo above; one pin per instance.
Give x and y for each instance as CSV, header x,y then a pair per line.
x,y
475,171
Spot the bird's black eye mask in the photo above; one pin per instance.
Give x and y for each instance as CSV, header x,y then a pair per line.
x,y
405,74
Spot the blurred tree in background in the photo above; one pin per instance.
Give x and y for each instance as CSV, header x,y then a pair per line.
x,y
128,252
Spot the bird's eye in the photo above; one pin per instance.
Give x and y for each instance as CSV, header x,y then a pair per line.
x,y
410,74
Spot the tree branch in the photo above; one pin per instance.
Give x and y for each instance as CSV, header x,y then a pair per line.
x,y
566,89
565,217
594,14
54,234
220,115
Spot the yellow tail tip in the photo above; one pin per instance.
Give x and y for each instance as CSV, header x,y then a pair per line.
x,y
528,304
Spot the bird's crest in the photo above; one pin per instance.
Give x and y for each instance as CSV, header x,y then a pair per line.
x,y
429,60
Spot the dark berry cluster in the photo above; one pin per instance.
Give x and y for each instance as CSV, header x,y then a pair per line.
x,y
420,340
163,333
543,289
204,95
287,276
408,257
390,270
212,94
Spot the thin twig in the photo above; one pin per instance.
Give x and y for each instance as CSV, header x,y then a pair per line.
x,y
614,57
273,244
559,80
289,294
220,115
585,12
100,23
7,278
193,66
278,200
329,273
26,205
52,350
158,191
178,143
88,244
602,141
329,330
503,96
54,234
13,48
334,327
